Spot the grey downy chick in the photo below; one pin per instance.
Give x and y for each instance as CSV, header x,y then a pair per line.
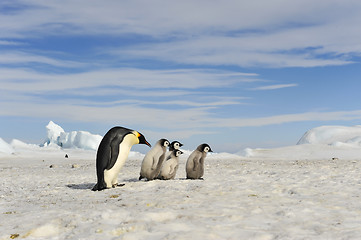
x,y
170,166
195,162
153,160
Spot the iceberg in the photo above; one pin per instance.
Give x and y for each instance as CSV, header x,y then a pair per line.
x,y
75,139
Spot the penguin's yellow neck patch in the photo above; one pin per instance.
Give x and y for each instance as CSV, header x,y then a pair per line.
x,y
137,134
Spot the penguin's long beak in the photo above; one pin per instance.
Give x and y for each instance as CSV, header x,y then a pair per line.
x,y
142,140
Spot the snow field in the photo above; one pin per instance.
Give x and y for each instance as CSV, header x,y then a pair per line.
x,y
240,198
306,191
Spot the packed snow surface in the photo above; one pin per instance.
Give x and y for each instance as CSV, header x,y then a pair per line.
x,y
306,191
46,196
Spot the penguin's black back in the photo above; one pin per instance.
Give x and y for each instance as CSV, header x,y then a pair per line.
x,y
108,149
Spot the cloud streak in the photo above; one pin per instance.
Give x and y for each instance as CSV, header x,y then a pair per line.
x,y
153,118
274,87
20,79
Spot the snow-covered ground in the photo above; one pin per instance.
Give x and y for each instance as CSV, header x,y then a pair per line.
x,y
296,192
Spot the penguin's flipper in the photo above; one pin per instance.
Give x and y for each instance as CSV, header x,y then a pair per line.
x,y
154,164
195,163
114,152
162,158
172,169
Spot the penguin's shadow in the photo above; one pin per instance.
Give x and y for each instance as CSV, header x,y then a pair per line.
x,y
131,180
82,186
87,186
189,179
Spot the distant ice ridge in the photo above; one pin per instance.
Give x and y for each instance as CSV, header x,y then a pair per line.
x,y
325,142
333,136
5,147
75,139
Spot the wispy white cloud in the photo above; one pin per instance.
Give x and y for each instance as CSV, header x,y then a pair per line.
x,y
16,58
171,103
9,43
170,120
298,117
29,80
154,95
276,86
262,50
281,34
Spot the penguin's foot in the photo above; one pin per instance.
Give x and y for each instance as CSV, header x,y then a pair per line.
x,y
118,185
99,187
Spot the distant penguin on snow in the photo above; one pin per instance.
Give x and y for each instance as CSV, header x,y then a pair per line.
x,y
112,153
170,166
195,162
153,160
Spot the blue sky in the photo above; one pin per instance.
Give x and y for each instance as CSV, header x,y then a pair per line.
x,y
234,74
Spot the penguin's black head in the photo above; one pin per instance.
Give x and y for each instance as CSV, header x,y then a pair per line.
x,y
175,145
177,152
142,139
204,148
164,142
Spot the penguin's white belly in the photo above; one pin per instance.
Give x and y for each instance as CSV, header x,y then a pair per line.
x,y
111,175
169,169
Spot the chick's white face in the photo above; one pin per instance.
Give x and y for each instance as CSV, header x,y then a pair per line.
x,y
166,143
176,145
178,153
206,149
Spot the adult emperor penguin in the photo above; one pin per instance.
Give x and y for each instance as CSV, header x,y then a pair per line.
x,y
195,162
153,160
112,152
170,166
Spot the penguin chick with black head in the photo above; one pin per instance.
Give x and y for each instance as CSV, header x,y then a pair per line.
x,y
153,160
170,166
175,145
112,153
195,162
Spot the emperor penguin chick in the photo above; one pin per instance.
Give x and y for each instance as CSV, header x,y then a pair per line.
x,y
153,160
112,153
175,145
170,166
195,162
